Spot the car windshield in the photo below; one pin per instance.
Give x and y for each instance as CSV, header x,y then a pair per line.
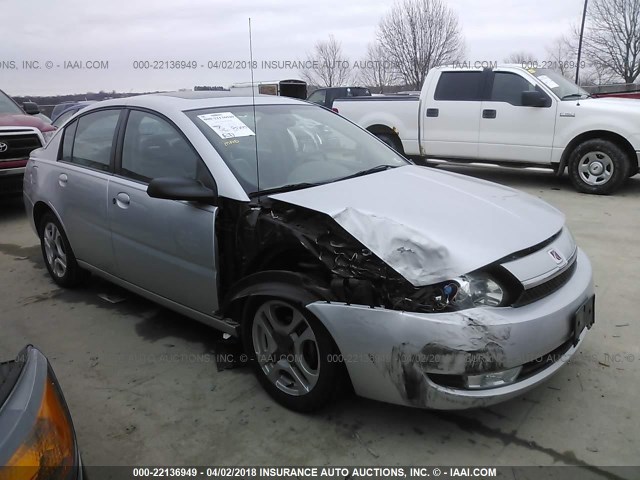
x,y
564,88
297,145
7,106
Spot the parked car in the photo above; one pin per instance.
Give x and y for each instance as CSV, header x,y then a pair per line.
x,y
37,438
20,133
59,108
69,111
326,96
510,116
329,254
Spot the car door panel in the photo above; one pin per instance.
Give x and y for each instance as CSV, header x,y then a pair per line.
x,y
164,246
81,178
451,120
83,205
513,132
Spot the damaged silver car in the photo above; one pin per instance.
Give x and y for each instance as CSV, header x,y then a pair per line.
x,y
335,260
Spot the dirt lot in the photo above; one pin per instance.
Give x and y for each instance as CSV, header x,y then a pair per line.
x,y
143,386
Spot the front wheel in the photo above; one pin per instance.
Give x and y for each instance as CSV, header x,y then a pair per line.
x,y
598,166
294,357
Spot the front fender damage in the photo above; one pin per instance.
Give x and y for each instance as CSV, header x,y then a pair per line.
x,y
276,236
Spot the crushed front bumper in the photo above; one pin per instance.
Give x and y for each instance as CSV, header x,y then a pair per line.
x,y
394,356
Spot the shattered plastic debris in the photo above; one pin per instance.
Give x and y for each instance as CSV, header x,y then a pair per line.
x,y
229,354
112,298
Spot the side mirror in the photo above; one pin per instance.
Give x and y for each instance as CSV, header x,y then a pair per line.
x,y
178,188
535,99
31,108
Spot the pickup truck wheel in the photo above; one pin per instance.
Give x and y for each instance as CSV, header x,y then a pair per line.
x,y
389,140
293,355
598,166
58,256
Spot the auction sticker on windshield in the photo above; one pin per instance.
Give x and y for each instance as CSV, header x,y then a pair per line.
x,y
547,81
226,125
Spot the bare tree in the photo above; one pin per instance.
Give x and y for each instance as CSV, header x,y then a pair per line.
x,y
418,35
563,55
327,67
596,74
377,69
522,58
612,37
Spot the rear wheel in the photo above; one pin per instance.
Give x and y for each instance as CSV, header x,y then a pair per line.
x,y
294,357
58,256
598,167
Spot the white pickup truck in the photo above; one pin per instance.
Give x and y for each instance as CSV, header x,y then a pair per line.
x,y
510,116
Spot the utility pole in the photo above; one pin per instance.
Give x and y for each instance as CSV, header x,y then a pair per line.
x,y
584,16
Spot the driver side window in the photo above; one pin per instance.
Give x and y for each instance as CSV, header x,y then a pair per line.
x,y
153,148
508,88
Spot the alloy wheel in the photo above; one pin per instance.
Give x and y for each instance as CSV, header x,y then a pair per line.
x,y
54,250
286,347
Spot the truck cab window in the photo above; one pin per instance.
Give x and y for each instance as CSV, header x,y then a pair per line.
x,y
318,97
508,88
460,86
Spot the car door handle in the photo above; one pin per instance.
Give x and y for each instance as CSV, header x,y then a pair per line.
x,y
122,200
433,112
488,114
63,179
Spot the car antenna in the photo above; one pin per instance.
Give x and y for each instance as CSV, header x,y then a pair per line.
x,y
253,101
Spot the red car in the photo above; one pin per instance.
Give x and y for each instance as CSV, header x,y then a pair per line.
x,y
21,131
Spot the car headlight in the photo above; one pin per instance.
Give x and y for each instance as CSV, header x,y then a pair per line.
x,y
474,290
48,136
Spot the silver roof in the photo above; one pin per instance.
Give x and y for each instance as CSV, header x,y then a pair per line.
x,y
188,100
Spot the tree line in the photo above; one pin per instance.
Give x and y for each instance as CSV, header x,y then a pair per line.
x,y
417,35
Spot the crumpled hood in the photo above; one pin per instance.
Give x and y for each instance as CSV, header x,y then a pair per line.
x,y
431,225
24,121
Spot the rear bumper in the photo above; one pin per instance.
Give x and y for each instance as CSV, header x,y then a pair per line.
x,y
394,356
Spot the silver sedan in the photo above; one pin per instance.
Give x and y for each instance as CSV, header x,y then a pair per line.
x,y
337,261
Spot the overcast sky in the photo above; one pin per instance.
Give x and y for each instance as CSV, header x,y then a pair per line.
x,y
122,31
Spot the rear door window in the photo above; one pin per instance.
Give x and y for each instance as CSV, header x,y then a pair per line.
x,y
93,139
460,86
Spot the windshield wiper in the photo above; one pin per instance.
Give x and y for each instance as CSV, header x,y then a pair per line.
x,y
379,168
574,95
284,188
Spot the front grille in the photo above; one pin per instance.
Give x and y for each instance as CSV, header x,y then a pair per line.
x,y
547,288
17,146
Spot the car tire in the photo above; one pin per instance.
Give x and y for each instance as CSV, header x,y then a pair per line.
x,y
294,356
58,255
598,167
390,140
633,171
